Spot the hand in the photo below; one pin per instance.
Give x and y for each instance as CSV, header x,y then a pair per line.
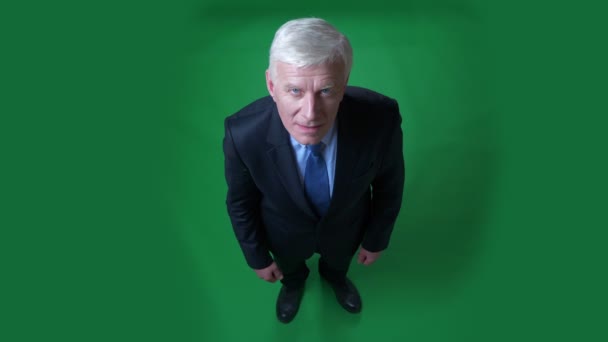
x,y
271,273
366,257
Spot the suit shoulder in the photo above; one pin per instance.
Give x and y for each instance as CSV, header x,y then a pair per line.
x,y
254,109
251,118
364,96
370,106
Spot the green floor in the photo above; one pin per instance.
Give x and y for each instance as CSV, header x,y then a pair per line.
x,y
438,280
116,223
434,283
461,259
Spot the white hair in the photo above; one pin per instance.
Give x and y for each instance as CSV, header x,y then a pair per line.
x,y
308,42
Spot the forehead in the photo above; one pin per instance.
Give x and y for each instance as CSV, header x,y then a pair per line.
x,y
290,72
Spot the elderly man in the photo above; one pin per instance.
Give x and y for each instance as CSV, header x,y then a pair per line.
x,y
316,167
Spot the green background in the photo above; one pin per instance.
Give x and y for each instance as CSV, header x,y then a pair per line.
x,y
113,222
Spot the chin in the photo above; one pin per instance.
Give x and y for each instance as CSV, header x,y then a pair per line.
x,y
308,140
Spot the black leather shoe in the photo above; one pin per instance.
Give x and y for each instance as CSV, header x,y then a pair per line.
x,y
347,295
288,303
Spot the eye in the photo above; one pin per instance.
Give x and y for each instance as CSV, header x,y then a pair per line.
x,y
295,91
326,91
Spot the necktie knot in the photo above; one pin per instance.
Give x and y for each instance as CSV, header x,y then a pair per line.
x,y
316,149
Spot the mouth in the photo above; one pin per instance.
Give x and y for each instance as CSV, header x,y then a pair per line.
x,y
309,129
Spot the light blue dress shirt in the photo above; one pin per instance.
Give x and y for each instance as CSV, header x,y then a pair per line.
x,y
329,154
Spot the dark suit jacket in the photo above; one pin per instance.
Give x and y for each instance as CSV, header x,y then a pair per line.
x,y
266,201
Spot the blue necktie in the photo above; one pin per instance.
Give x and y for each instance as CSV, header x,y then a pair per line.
x,y
316,180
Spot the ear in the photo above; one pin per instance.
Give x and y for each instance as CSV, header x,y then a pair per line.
x,y
269,84
344,88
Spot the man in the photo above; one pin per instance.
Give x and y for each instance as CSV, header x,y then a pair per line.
x,y
316,167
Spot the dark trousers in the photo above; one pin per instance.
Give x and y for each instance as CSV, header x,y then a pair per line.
x,y
295,271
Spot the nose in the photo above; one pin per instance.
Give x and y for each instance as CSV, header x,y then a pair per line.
x,y
310,108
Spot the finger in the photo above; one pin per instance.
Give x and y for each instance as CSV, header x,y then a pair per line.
x,y
277,272
361,258
372,260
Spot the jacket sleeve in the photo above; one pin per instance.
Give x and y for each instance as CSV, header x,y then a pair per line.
x,y
387,188
243,204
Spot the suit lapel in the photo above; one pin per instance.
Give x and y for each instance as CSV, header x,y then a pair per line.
x,y
346,158
281,154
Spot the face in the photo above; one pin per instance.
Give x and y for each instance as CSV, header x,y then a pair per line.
x,y
307,98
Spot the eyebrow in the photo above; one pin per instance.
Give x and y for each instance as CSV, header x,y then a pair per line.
x,y
326,86
289,86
